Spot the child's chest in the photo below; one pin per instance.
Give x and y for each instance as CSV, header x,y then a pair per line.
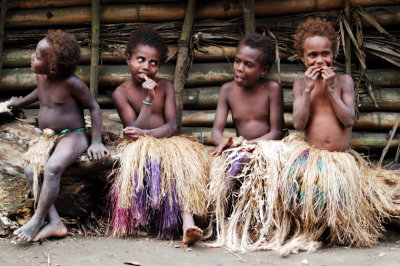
x,y
248,106
136,98
53,93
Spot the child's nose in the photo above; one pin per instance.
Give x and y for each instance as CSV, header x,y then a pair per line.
x,y
240,67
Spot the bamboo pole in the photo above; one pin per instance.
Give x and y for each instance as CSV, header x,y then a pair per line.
x,y
347,53
248,16
387,146
52,17
201,74
2,22
94,64
183,59
360,140
22,57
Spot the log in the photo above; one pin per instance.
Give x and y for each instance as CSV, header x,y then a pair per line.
x,y
183,58
25,4
207,97
201,74
360,141
371,121
94,60
22,57
51,17
2,21
248,16
83,184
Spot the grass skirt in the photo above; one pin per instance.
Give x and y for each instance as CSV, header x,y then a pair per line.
x,y
289,196
336,193
244,195
37,155
156,179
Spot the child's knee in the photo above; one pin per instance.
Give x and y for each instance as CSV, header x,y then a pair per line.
x,y
53,169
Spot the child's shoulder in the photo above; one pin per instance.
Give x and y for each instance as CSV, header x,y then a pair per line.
x,y
165,84
270,85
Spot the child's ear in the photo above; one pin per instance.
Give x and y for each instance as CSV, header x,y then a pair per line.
x,y
265,70
128,59
52,69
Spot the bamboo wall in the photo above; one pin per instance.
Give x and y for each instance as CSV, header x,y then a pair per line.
x,y
218,26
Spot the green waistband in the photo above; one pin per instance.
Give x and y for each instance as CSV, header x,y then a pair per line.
x,y
67,131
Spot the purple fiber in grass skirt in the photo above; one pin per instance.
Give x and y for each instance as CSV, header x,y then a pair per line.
x,y
169,217
122,219
154,183
236,166
141,206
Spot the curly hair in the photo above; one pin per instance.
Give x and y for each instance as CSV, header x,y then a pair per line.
x,y
263,44
314,27
145,34
65,52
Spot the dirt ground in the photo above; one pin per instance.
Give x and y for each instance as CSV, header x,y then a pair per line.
x,y
146,250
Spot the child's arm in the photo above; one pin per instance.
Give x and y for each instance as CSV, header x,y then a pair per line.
x,y
276,114
169,128
343,105
80,91
221,115
302,95
20,103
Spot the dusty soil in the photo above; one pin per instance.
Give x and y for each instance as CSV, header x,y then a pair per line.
x,y
147,250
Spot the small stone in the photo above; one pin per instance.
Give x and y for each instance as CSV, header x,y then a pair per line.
x,y
305,261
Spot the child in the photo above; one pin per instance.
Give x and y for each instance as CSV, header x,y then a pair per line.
x,y
160,176
326,187
62,97
256,105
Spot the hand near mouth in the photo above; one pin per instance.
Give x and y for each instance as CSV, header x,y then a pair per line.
x,y
149,87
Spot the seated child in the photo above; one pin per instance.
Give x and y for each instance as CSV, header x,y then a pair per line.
x,y
256,106
327,189
62,97
161,178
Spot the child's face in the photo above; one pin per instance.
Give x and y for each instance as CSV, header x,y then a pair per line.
x,y
247,67
317,50
39,60
145,60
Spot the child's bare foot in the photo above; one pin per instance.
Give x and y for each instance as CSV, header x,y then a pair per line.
x,y
55,229
191,235
28,231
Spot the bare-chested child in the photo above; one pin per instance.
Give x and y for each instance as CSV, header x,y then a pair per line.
x,y
146,106
62,97
237,187
256,103
323,100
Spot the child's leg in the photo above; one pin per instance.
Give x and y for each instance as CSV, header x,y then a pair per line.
x,y
55,228
191,233
68,149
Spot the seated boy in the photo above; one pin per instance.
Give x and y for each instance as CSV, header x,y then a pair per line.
x,y
256,106
161,178
62,97
327,189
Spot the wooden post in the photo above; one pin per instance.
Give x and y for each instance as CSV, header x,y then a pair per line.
x,y
2,22
347,41
183,58
248,16
94,65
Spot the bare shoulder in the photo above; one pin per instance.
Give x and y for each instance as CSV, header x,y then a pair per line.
x,y
75,82
122,89
345,79
165,84
227,86
271,85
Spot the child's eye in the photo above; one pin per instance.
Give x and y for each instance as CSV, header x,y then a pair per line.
x,y
325,53
237,60
154,63
249,64
313,54
140,59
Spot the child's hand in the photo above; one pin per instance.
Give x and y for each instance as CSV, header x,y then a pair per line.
x,y
132,133
310,77
221,147
98,152
328,78
239,141
149,86
14,103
